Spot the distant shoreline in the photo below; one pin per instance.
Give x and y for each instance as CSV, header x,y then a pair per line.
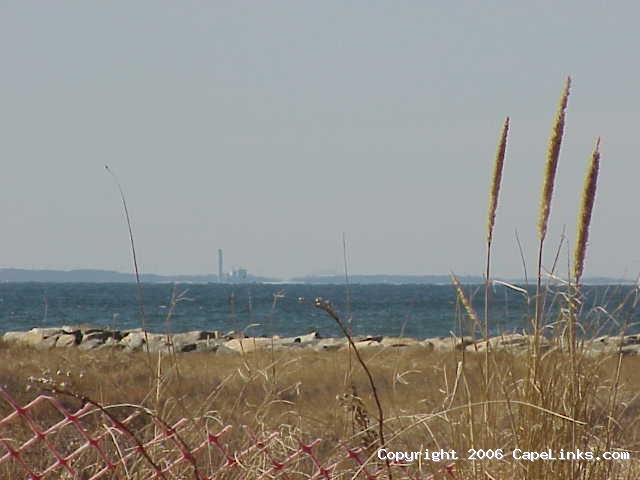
x,y
20,275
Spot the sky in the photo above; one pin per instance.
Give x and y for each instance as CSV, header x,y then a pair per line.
x,y
269,128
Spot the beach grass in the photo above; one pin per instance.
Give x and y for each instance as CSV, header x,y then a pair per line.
x,y
429,399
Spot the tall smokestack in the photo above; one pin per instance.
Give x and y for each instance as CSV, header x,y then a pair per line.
x,y
220,268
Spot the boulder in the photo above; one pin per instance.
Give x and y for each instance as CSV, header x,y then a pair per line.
x,y
194,336
97,342
133,340
398,342
330,344
376,338
616,341
447,344
512,342
91,344
249,344
101,335
186,342
67,340
209,346
49,342
233,334
368,343
301,341
81,328
308,338
627,344
14,337
34,337
633,349
158,342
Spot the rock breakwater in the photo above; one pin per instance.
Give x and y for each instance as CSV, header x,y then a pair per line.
x,y
89,337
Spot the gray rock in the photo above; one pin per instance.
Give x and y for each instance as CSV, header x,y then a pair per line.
x,y
67,340
46,332
627,344
249,344
511,341
398,342
616,341
627,339
295,342
186,342
330,344
447,344
211,346
376,338
97,343
14,337
206,346
158,342
112,342
49,342
133,340
101,335
633,349
233,334
194,336
34,337
81,328
91,344
308,338
186,347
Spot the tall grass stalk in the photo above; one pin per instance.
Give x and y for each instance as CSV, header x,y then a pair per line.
x,y
473,316
328,308
466,303
347,283
274,371
586,209
553,153
496,180
494,193
582,237
143,316
573,297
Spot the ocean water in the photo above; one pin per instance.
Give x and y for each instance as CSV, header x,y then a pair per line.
x,y
266,309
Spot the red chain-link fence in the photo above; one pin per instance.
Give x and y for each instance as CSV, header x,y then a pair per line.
x,y
50,437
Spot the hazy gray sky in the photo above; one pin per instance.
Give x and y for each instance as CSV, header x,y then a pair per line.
x,y
269,128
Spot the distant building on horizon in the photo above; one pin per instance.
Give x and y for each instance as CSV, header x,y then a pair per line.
x,y
236,275
239,275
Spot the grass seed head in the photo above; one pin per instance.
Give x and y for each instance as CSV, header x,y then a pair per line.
x,y
586,209
496,179
553,153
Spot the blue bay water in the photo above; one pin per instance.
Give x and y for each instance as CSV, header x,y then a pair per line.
x,y
264,309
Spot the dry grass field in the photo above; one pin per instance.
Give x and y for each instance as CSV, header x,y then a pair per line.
x,y
430,400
